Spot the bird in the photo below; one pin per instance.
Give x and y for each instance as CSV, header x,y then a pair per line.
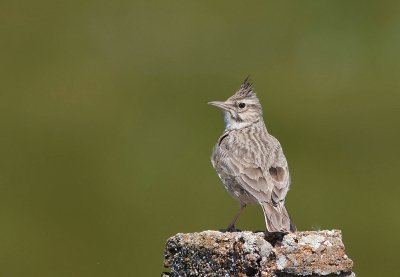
x,y
250,162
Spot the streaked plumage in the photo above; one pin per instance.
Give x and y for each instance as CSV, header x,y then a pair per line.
x,y
250,162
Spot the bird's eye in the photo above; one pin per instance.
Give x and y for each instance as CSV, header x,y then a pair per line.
x,y
242,105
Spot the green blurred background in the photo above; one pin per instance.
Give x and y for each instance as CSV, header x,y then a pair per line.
x,y
105,134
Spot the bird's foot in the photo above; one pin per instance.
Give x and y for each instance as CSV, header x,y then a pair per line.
x,y
231,228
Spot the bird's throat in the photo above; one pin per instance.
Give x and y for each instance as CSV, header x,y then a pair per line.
x,y
232,123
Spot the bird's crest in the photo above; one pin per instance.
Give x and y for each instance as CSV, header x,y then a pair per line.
x,y
245,90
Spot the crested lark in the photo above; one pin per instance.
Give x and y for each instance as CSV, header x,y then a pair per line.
x,y
250,162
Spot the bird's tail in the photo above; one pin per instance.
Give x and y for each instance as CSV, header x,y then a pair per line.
x,y
277,218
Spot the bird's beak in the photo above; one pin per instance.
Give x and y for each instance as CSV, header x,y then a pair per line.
x,y
219,104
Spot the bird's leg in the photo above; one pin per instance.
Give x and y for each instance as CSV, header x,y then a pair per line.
x,y
232,224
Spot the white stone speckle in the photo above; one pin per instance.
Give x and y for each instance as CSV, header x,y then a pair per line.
x,y
327,243
249,240
289,239
313,240
281,262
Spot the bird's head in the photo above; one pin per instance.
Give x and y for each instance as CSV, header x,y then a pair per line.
x,y
241,109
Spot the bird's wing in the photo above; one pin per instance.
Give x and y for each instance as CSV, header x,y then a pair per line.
x,y
278,172
263,172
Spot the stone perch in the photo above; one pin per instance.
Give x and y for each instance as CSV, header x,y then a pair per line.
x,y
214,253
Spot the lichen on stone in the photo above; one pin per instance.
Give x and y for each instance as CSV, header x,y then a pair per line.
x,y
214,253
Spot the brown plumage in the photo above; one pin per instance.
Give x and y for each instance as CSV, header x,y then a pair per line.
x,y
250,162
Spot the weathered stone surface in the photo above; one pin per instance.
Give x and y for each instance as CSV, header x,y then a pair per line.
x,y
214,253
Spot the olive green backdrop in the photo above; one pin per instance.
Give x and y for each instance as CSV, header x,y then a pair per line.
x,y
105,134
